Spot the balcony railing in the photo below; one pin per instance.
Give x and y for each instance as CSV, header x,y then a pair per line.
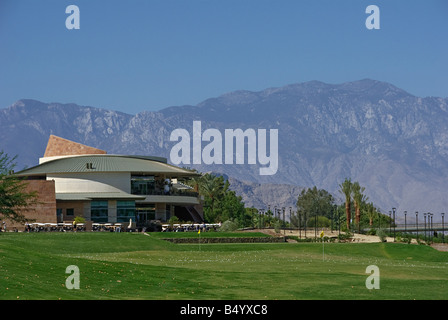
x,y
173,192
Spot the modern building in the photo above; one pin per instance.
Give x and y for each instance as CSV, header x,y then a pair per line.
x,y
76,180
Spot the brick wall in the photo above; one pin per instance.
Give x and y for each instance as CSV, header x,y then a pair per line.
x,y
45,210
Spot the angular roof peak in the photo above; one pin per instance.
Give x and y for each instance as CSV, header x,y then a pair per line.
x,y
58,146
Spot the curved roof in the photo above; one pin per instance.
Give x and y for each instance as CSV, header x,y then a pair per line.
x,y
107,163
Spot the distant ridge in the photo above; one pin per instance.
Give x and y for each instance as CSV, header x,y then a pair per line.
x,y
392,142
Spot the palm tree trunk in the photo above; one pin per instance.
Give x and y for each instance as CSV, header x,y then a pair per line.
x,y
347,213
358,218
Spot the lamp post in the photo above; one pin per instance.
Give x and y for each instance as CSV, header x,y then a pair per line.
x,y
443,228
290,212
431,230
416,222
424,219
393,210
283,209
405,228
390,222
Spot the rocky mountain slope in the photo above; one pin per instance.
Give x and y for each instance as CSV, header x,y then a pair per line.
x,y
395,144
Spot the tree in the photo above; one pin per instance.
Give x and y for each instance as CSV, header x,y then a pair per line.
x,y
371,213
346,189
358,199
232,207
211,187
315,202
13,194
220,203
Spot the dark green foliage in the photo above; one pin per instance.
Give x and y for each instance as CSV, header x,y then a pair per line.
x,y
13,194
315,202
221,203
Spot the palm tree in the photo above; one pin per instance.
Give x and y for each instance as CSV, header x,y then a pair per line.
x,y
358,198
346,189
211,187
371,213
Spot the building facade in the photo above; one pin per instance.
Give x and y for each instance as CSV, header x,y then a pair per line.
x,y
76,180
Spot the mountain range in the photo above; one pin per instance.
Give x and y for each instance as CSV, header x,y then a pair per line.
x,y
394,143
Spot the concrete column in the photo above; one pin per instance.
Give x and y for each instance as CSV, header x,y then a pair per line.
x,y
112,211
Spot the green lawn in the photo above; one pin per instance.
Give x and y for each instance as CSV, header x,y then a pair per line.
x,y
137,266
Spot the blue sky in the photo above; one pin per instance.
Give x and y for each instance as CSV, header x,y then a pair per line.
x,y
147,55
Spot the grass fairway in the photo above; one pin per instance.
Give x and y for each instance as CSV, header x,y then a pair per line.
x,y
136,266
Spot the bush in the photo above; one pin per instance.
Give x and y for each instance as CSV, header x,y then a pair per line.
x,y
153,226
277,226
345,236
381,234
228,225
322,222
80,220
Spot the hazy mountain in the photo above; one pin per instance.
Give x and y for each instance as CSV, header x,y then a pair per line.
x,y
395,144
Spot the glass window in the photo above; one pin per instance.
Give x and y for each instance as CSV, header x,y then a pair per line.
x,y
145,212
125,211
99,211
70,212
143,185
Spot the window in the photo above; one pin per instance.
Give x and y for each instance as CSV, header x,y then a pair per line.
x,y
99,211
125,211
145,212
70,212
143,185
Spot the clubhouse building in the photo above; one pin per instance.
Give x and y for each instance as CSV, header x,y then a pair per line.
x,y
77,180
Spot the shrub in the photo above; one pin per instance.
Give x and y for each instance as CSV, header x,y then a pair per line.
x,y
277,226
381,234
80,220
228,225
322,222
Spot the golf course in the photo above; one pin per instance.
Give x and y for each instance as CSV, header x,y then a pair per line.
x,y
131,266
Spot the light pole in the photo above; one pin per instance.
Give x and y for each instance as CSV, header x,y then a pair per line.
x,y
283,220
416,222
424,218
443,228
390,223
290,213
431,231
405,229
393,210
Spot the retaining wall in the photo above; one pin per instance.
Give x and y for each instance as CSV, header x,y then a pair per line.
x,y
228,240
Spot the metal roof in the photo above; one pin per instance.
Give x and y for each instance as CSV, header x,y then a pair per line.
x,y
107,163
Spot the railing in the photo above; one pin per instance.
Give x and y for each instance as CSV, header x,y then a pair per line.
x,y
182,193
